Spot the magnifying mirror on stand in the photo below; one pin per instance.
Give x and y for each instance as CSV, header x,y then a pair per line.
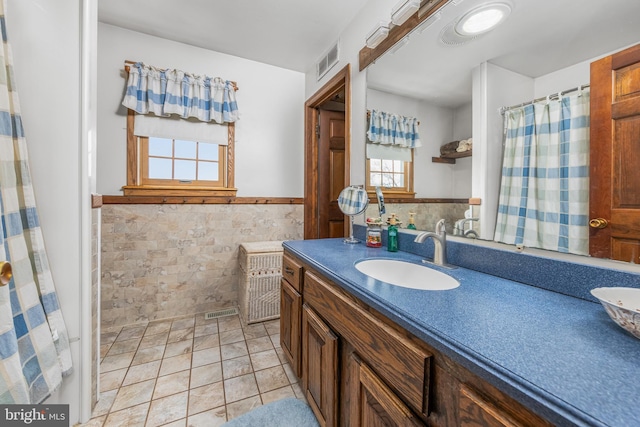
x,y
352,201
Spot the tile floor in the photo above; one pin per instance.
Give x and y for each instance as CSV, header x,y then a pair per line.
x,y
190,372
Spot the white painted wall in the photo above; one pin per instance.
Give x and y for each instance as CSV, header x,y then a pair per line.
x,y
493,87
269,148
45,37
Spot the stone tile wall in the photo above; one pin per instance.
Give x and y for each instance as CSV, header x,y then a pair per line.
x,y
427,214
164,261
95,290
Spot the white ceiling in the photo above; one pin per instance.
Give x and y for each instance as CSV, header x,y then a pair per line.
x,y
540,36
292,34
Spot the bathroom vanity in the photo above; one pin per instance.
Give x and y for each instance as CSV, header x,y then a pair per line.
x,y
491,352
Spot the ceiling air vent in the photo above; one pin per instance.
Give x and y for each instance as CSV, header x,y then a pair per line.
x,y
327,61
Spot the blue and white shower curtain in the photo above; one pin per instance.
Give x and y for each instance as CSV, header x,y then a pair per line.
x,y
544,192
34,345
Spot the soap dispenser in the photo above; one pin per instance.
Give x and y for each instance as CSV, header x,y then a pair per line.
x,y
411,225
392,235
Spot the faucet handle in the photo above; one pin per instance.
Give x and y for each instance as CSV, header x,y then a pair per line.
x,y
440,228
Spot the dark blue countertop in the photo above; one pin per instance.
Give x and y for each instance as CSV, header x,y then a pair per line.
x,y
559,355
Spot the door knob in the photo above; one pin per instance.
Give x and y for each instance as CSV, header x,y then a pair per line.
x,y
598,223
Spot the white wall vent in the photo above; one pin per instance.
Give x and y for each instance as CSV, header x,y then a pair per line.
x,y
328,61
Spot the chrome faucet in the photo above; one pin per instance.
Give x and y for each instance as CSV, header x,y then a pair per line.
x,y
439,242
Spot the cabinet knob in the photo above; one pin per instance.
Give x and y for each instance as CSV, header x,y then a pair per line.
x,y
598,223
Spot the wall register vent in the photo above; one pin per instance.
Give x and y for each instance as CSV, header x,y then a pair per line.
x,y
221,313
328,61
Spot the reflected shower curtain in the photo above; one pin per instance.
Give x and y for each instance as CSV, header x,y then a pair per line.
x,y
34,345
544,192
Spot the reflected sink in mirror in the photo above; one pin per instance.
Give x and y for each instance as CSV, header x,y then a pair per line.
x,y
406,274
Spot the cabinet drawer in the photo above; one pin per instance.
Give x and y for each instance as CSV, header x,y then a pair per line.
x,y
292,272
402,365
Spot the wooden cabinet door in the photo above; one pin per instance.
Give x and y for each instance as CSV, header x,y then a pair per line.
x,y
320,367
372,403
615,156
290,318
474,411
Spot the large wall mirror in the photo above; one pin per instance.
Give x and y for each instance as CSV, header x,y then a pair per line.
x,y
455,86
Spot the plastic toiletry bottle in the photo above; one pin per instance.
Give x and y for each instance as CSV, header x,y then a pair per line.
x,y
411,225
392,235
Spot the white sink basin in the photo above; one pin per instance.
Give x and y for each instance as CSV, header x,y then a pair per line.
x,y
407,275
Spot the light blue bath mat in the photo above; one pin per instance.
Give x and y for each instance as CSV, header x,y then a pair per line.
x,y
289,412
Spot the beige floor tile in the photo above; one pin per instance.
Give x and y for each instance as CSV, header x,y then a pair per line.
x,y
231,351
257,345
275,340
150,354
212,418
178,348
202,320
178,423
277,394
254,331
175,364
235,409
131,417
206,397
125,346
272,326
134,394
119,361
108,337
154,340
206,341
229,323
236,367
232,336
290,374
180,335
207,374
95,422
297,389
189,322
206,329
281,355
104,404
271,379
131,332
104,349
264,359
206,357
167,409
158,327
145,371
112,380
171,384
240,388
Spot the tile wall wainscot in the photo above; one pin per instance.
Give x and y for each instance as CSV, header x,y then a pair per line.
x,y
427,214
169,260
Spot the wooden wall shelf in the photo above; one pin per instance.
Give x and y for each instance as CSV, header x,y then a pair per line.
x,y
451,157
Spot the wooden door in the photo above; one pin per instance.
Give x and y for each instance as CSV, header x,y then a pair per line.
x,y
331,172
615,157
320,367
290,318
372,403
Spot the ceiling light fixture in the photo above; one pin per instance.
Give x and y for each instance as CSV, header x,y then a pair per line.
x,y
375,37
482,19
403,11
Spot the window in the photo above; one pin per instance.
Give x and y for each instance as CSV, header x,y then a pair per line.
x,y
178,167
395,177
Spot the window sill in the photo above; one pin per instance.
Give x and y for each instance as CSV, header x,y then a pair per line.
x,y
169,191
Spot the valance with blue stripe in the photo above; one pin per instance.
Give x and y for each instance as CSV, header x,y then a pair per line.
x,y
167,92
393,129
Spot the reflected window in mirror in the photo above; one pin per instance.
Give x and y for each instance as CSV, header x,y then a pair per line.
x,y
394,176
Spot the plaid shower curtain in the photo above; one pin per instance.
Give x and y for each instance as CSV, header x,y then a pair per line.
x,y
544,192
34,345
